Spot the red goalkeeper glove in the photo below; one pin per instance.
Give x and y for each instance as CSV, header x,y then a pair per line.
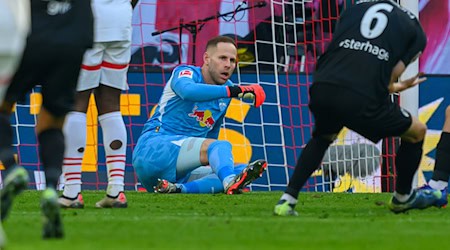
x,y
253,92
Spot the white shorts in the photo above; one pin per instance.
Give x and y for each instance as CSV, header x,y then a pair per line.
x,y
107,64
15,24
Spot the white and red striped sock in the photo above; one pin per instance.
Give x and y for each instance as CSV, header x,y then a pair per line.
x,y
115,144
75,139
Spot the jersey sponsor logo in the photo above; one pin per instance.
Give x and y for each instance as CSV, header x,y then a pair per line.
x,y
222,105
380,53
58,7
204,117
185,73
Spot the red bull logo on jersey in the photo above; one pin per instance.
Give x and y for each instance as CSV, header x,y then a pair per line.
x,y
204,117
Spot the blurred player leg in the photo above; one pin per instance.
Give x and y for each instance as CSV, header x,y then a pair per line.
x,y
14,27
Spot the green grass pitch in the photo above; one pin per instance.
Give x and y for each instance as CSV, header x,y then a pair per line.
x,y
176,221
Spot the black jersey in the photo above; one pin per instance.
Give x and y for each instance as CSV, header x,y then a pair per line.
x,y
62,22
370,39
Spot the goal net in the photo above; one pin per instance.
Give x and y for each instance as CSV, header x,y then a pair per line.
x,y
279,42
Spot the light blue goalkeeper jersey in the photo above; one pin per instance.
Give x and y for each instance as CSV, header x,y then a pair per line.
x,y
190,107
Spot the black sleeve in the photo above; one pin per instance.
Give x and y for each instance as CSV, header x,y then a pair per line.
x,y
416,46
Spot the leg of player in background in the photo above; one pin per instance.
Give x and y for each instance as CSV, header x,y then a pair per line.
x,y
441,172
113,80
115,144
308,162
75,133
16,176
409,155
13,33
51,151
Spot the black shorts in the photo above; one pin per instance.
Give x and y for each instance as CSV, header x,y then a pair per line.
x,y
334,107
55,68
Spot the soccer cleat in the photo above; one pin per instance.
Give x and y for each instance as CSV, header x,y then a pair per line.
x,y
15,182
250,173
66,202
113,202
420,199
51,216
166,187
442,202
283,208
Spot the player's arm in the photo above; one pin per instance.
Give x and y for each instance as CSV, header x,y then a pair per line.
x,y
186,88
414,51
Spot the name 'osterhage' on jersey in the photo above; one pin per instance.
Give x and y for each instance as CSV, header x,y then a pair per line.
x,y
381,53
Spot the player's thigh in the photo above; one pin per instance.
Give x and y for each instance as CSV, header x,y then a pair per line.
x,y
90,72
59,83
189,156
115,64
325,107
28,74
381,120
155,157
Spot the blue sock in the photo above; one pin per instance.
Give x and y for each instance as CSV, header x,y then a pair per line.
x,y
209,184
238,168
221,159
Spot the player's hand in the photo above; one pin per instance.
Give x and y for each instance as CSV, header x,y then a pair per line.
x,y
252,92
411,82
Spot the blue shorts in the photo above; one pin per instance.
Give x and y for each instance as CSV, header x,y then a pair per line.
x,y
161,156
155,156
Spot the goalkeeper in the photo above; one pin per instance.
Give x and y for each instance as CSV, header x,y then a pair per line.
x,y
182,134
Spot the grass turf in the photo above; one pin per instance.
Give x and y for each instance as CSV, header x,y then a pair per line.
x,y
177,221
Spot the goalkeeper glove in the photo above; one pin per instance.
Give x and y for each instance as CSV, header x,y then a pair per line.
x,y
253,92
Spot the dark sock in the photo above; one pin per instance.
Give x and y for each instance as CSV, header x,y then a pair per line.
x,y
442,166
308,162
51,145
406,163
6,135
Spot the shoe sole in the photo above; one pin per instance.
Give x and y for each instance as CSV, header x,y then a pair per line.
x,y
255,170
113,204
73,205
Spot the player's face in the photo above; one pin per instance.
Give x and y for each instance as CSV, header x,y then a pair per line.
x,y
221,62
